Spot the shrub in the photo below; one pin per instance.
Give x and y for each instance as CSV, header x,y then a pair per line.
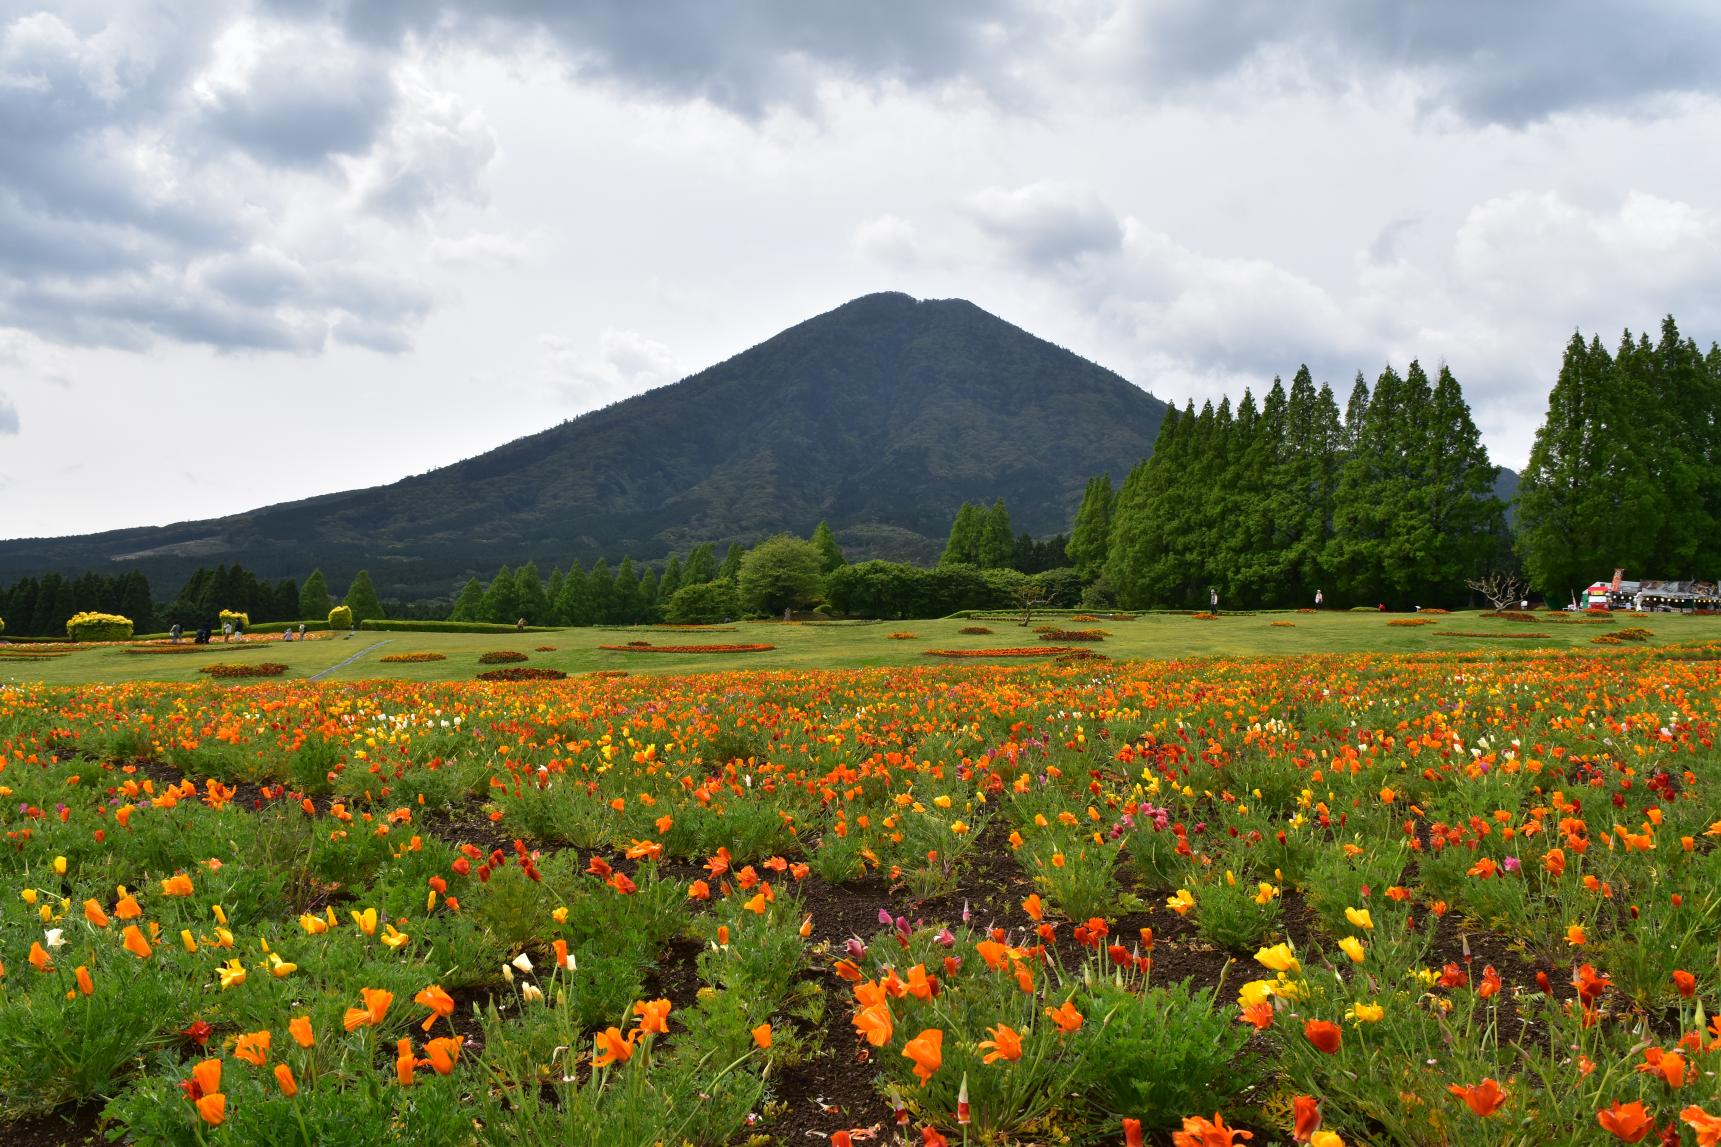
x,y
234,618
1174,1050
254,669
522,673
98,627
391,625
412,658
1606,639
340,617
702,604
500,657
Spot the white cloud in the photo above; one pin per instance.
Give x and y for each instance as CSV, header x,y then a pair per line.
x,y
625,363
8,416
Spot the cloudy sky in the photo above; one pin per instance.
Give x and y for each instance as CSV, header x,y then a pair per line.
x,y
255,251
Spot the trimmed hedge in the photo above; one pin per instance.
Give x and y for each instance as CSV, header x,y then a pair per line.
x,y
392,626
99,627
340,617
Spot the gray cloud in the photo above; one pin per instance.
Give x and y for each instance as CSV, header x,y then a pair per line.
x,y
1047,222
1486,61
305,99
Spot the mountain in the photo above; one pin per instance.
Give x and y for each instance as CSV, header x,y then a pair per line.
x,y
881,416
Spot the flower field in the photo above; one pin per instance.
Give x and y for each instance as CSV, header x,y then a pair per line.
x,y
1351,899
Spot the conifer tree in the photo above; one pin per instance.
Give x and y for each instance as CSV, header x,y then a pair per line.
x,y
997,538
830,555
963,547
731,567
650,600
574,605
600,592
553,594
468,606
701,565
501,604
671,579
624,608
314,601
362,600
534,604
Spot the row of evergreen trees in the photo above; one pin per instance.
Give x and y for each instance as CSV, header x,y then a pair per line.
x,y
39,607
985,539
1626,468
1269,503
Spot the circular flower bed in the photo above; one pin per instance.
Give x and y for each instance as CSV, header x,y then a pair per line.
x,y
522,673
645,647
259,669
1410,622
1073,635
905,637
543,649
500,657
411,658
975,630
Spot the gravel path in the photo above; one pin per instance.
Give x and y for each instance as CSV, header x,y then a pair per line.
x,y
348,661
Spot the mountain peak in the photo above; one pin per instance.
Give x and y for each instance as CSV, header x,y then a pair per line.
x,y
881,416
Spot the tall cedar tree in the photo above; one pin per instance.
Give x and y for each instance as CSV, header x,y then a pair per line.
x,y
314,600
362,600
574,604
731,567
997,539
469,605
1091,534
701,565
501,604
963,548
529,592
830,555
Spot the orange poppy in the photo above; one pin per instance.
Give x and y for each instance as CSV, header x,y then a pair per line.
x,y
1483,1098
1006,1044
300,1029
375,1008
440,1003
1324,1034
284,1077
85,985
1627,1122
135,943
442,1053
252,1047
874,1023
1199,1132
404,1061
653,1016
1707,1126
612,1048
1066,1017
1306,1112
927,1052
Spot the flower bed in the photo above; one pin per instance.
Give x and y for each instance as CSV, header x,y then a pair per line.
x,y
642,647
255,669
411,658
1073,635
1203,615
1010,651
500,657
522,673
975,631
1510,615
1410,622
904,636
1492,636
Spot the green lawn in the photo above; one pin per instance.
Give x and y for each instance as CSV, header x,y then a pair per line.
x,y
847,645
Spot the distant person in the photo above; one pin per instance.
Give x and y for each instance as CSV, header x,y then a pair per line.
x,y
226,632
173,633
287,634
239,630
1319,599
301,631
202,635
1382,607
520,624
1525,604
1213,600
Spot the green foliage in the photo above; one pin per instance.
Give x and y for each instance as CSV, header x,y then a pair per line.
x,y
361,598
469,605
702,604
1091,536
1164,1054
529,591
314,600
892,590
730,570
501,602
403,625
830,555
1267,504
780,573
1624,472
341,617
